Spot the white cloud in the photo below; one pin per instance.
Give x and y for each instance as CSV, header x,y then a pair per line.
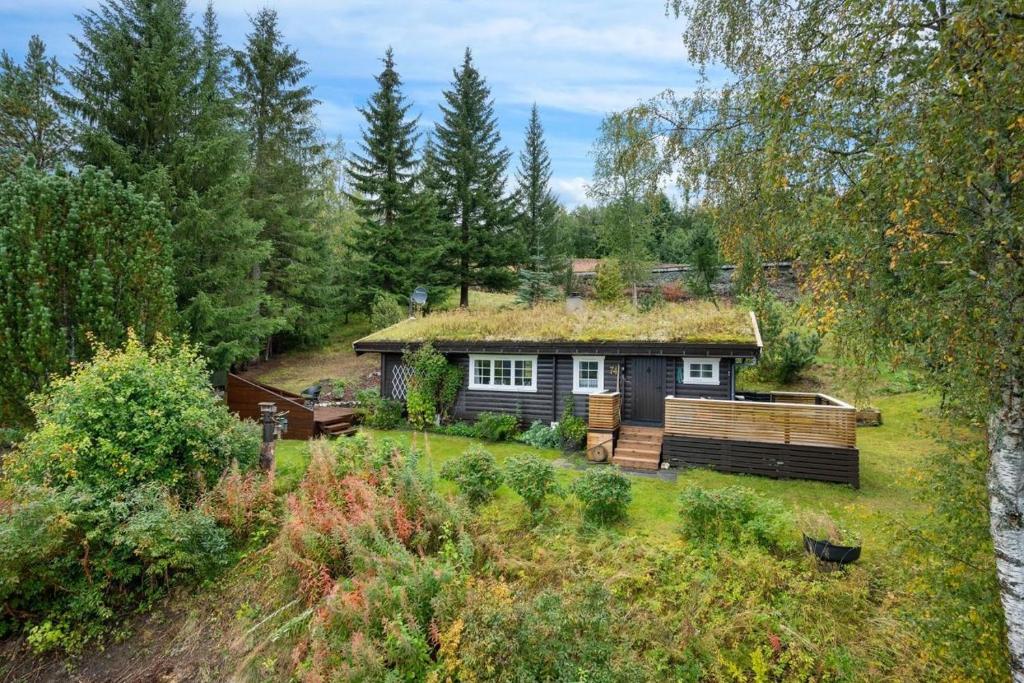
x,y
571,191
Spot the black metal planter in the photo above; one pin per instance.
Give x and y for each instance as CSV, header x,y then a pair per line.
x,y
827,552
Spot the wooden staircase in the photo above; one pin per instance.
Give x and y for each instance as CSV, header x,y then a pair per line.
x,y
335,421
638,448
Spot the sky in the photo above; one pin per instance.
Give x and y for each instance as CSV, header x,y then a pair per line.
x,y
576,60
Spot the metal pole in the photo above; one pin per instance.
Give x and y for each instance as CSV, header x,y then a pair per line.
x,y
268,413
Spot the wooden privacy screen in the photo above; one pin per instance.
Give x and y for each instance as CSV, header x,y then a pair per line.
x,y
784,423
603,410
244,397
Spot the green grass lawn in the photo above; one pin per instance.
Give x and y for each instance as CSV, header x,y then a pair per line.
x,y
891,456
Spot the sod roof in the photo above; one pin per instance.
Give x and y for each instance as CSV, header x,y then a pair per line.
x,y
689,323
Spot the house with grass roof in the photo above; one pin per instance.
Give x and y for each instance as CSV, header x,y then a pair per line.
x,y
656,387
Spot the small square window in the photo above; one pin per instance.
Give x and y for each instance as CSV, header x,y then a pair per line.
x,y
588,374
503,373
481,372
699,371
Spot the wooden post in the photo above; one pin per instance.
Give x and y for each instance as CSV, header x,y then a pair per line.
x,y
268,417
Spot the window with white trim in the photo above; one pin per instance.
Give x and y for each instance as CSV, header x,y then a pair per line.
x,y
700,370
503,373
587,374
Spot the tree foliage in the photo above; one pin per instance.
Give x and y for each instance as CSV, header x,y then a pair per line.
x,y
82,260
467,173
150,96
286,161
883,145
390,247
33,125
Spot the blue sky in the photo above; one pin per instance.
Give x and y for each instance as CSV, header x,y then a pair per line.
x,y
576,60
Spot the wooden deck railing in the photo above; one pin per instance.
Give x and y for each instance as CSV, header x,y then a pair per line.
x,y
603,410
804,419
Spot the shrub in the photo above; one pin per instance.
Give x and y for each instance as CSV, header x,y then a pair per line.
x,y
572,429
497,426
609,282
651,299
733,515
129,417
540,435
476,473
385,311
376,411
242,502
554,635
433,387
373,545
106,508
532,478
604,493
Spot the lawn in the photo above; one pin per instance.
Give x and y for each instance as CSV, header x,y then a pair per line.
x,y
891,456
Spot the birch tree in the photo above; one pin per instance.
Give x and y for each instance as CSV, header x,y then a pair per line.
x,y
883,144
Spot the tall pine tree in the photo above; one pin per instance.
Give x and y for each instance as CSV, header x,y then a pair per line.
x,y
153,109
32,124
385,248
468,170
286,161
536,220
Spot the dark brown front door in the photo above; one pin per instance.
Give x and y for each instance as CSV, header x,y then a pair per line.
x,y
648,382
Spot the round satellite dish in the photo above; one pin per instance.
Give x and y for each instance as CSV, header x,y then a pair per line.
x,y
419,296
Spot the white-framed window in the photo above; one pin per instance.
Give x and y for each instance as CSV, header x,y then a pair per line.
x,y
587,374
700,370
503,373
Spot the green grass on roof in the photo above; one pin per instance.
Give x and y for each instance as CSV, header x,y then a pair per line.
x,y
697,322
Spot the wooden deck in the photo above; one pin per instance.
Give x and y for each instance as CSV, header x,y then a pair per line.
x,y
243,397
791,435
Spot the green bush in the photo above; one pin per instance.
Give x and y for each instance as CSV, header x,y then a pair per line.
x,y
572,429
433,387
130,417
385,311
497,426
789,346
476,473
540,435
792,353
378,412
604,493
106,506
734,515
532,478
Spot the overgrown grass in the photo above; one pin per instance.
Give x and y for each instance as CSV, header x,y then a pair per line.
x,y
693,322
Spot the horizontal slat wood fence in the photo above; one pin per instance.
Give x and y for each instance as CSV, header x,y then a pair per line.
x,y
806,423
244,398
603,410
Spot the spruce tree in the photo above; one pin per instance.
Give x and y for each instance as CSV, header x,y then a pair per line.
x,y
468,168
384,247
153,109
32,123
285,195
82,260
536,217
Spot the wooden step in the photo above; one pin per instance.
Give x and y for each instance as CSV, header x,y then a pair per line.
x,y
340,430
641,438
635,463
637,450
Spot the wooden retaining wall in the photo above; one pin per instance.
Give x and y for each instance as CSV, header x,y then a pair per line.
x,y
244,396
779,461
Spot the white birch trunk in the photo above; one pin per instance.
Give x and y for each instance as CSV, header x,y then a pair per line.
x,y
1006,507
